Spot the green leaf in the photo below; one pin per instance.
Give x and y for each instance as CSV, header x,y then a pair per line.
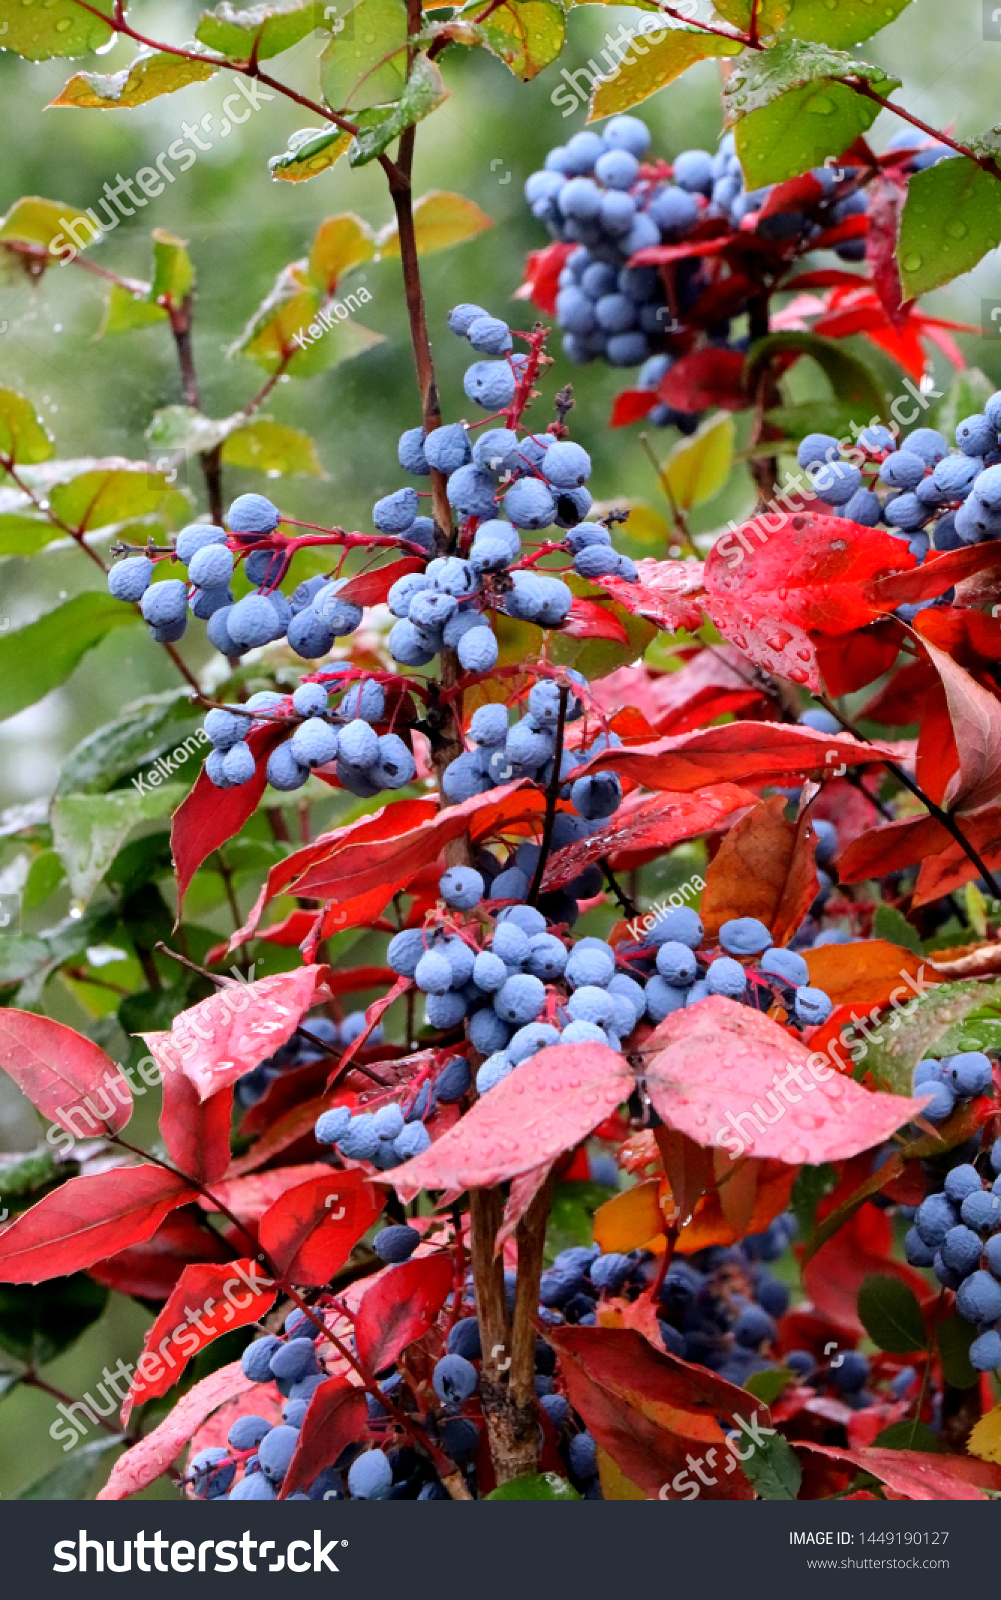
x,y
698,467
891,1316
265,446
24,438
33,220
23,531
840,24
183,428
928,1028
272,28
38,1321
142,731
286,332
525,34
8,1381
113,492
440,221
976,1033
643,71
61,28
773,1469
21,1173
910,1434
790,114
45,875
812,416
173,271
535,1486
424,92
366,63
88,830
952,218
73,1478
310,151
891,924
852,381
151,74
811,1185
41,655
22,958
128,309
953,1337
767,1386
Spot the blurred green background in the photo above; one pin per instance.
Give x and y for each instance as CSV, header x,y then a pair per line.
x,y
97,395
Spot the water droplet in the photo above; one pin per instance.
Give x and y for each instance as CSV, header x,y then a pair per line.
x,y
956,228
821,105
798,675
913,263
64,25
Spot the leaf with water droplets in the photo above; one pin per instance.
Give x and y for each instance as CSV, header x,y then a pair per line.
x,y
915,1475
731,1077
544,1107
952,218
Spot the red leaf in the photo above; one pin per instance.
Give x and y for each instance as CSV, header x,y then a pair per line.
x,y
64,1075
706,378
542,276
337,1415
654,600
825,278
373,1013
976,722
219,1039
250,1197
196,1133
860,1249
892,848
207,1302
795,194
658,822
590,620
915,1474
400,1308
855,659
934,577
311,1230
710,684
650,1410
149,1270
522,1192
371,588
208,816
631,405
713,1070
546,1106
741,752
87,1219
137,1468
886,204
951,868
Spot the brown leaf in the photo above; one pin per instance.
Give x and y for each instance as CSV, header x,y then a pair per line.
x,y
764,868
867,971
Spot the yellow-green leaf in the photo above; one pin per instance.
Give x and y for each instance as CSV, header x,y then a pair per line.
x,y
33,220
41,655
61,28
365,64
310,151
286,329
173,272
151,74
127,309
24,438
340,243
985,1440
378,128
644,525
526,34
841,23
698,467
113,491
88,830
272,447
271,28
651,62
440,220
952,218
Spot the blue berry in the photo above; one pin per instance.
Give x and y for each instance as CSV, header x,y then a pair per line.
x,y
933,1219
812,1006
396,1243
970,1074
462,317
478,650
851,1372
726,977
520,1000
413,1141
195,537
253,514
978,1299
583,1455
676,963
255,1487
332,1125
310,700
491,336
490,384
256,1359
164,604
744,936
455,1379
453,1081
530,504
248,1431
785,965
981,1211
985,1352
359,1141
130,579
410,453
395,512
370,1476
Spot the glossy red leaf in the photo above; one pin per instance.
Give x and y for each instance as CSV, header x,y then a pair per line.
x,y
87,1219
893,847
150,1270
373,1014
650,1410
400,1307
68,1079
651,823
948,870
631,405
250,1197
337,1415
933,577
850,661
886,204
590,620
208,816
542,276
860,1249
206,1302
371,588
706,378
665,593
710,684
976,720
713,1071
915,1474
739,752
546,1106
522,1192
137,1468
311,1230
216,1041
196,1132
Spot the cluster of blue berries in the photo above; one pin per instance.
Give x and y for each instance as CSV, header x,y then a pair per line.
x,y
605,193
301,1051
957,1230
925,493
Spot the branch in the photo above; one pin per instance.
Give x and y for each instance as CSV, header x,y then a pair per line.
x,y
860,86
552,795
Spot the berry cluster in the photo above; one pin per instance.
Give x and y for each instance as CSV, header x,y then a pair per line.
x,y
302,1051
920,489
957,1230
606,194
